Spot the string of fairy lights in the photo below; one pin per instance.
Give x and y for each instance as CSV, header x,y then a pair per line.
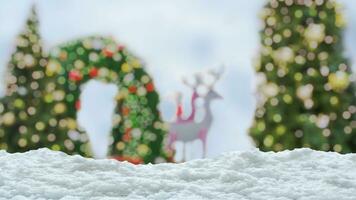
x,y
305,87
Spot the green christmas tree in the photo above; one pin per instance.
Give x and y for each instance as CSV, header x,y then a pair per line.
x,y
20,107
306,95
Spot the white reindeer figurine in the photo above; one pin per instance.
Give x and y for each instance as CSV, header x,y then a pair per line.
x,y
189,130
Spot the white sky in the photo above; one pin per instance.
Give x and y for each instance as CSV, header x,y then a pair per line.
x,y
175,39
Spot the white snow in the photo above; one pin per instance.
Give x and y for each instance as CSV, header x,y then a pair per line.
x,y
298,174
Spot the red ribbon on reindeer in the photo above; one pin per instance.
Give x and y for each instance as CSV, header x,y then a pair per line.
x,y
179,112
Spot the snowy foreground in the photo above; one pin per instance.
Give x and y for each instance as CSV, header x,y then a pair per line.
x,y
299,174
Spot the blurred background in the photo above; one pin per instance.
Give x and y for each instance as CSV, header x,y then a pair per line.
x,y
175,39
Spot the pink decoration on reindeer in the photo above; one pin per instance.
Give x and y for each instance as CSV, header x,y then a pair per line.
x,y
179,112
187,130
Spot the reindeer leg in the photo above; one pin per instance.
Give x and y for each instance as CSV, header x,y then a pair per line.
x,y
204,148
183,151
202,137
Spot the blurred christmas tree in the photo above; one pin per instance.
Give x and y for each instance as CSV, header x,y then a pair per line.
x,y
21,105
306,95
137,131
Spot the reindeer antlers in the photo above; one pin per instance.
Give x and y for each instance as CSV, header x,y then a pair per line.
x,y
198,81
216,75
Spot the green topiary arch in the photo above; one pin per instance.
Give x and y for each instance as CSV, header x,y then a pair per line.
x,y
137,133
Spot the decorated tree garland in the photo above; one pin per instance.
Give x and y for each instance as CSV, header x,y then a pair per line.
x,y
42,99
306,95
137,131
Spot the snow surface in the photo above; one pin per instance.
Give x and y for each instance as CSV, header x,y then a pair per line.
x,y
298,174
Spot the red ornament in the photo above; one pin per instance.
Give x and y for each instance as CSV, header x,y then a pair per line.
x,y
77,104
132,89
108,53
127,135
133,160
125,111
74,76
150,87
93,72
120,47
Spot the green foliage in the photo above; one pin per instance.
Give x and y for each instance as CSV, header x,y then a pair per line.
x,y
306,96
